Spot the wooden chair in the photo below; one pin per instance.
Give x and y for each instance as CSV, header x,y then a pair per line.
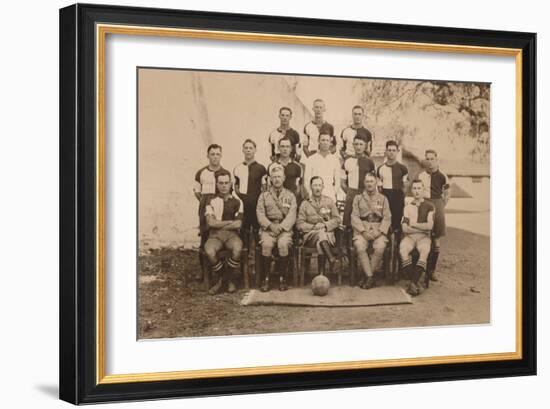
x,y
414,255
293,254
305,254
223,255
387,265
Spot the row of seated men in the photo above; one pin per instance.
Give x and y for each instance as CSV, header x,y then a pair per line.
x,y
374,203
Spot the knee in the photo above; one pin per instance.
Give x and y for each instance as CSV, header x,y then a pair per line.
x,y
360,245
283,246
236,251
404,252
267,249
211,254
379,246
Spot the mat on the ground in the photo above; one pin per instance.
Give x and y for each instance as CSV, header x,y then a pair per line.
x,y
337,297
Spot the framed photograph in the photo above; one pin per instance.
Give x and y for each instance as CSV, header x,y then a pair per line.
x,y
257,203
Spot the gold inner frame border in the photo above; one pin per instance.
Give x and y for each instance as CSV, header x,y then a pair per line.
x,y
102,30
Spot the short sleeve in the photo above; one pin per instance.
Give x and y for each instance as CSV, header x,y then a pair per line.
x,y
197,187
446,182
209,210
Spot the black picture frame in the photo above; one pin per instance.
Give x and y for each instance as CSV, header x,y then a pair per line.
x,y
78,236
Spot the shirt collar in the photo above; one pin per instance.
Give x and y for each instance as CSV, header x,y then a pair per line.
x,y
367,195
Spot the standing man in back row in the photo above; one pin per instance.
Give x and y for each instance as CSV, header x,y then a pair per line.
x,y
313,130
393,179
356,129
326,165
437,190
249,176
285,131
354,170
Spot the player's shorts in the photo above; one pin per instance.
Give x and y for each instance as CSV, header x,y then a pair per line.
x,y
439,228
283,242
311,238
422,242
361,244
223,239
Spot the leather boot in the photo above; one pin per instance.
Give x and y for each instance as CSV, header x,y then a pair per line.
x,y
283,271
266,270
327,251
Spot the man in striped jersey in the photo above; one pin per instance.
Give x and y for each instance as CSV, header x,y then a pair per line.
x,y
285,131
205,187
293,170
353,175
313,129
393,177
249,175
417,224
356,129
223,213
437,191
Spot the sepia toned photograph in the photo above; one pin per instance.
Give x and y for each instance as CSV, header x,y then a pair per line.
x,y
282,203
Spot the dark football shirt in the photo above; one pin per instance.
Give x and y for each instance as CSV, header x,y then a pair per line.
x,y
392,177
349,134
435,183
229,209
293,172
249,178
278,134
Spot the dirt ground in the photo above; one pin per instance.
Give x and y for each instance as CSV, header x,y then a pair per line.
x,y
171,304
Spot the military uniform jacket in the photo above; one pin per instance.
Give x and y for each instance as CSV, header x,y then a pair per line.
x,y
313,212
370,212
273,208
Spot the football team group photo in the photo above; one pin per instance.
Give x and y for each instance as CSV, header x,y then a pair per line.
x,y
278,203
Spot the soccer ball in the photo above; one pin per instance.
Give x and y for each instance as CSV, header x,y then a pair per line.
x,y
320,285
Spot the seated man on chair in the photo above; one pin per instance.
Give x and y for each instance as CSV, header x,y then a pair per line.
x,y
318,217
417,225
276,212
223,213
371,221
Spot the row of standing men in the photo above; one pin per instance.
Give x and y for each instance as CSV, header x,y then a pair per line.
x,y
270,197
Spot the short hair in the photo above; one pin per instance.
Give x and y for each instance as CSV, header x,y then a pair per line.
x,y
276,168
430,151
222,172
281,109
392,143
314,178
360,137
371,173
248,140
358,107
285,138
213,146
417,181
325,133
318,100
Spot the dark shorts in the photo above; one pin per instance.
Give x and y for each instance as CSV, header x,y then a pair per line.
x,y
203,228
396,199
440,227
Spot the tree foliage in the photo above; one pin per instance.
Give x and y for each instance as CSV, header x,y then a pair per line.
x,y
463,107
